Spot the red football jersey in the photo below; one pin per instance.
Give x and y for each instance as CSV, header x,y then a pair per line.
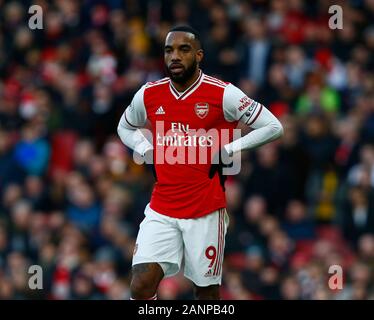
x,y
183,124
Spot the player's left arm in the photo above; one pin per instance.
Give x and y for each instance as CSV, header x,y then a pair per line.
x,y
237,106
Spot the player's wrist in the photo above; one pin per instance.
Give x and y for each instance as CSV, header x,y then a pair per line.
x,y
225,156
143,148
228,149
148,156
147,150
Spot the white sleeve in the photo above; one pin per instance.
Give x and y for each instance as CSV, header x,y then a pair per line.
x,y
238,107
135,114
133,118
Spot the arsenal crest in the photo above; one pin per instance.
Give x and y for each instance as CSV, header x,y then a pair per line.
x,y
202,109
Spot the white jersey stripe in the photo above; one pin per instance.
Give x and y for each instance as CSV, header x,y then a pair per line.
x,y
222,242
160,80
185,95
218,243
188,91
215,80
154,84
213,83
220,238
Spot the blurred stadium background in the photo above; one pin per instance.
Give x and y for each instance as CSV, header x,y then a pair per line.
x,y
72,198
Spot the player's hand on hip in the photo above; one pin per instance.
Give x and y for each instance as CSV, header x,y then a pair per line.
x,y
149,160
220,161
148,156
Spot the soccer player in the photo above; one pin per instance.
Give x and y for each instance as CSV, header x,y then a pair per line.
x,y
186,217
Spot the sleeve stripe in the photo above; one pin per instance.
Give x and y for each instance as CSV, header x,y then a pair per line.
x,y
258,113
129,123
244,113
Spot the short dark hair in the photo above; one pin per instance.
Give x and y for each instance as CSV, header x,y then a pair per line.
x,y
189,29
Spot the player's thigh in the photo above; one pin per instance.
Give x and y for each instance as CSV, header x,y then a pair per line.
x,y
204,241
159,241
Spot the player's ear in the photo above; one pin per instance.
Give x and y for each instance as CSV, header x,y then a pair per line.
x,y
199,55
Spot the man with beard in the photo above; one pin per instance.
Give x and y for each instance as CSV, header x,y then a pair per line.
x,y
186,218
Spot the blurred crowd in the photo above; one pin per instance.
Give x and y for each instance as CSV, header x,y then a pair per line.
x,y
72,197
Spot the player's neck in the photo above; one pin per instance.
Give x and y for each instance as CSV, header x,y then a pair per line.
x,y
183,86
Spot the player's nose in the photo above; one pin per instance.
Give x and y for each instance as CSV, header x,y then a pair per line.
x,y
175,56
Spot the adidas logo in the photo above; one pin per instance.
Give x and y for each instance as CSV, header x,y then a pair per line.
x,y
160,110
209,273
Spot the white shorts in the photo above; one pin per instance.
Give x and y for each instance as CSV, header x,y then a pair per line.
x,y
201,242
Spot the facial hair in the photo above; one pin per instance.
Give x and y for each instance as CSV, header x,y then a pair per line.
x,y
185,75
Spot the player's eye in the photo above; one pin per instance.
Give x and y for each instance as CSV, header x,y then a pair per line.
x,y
168,50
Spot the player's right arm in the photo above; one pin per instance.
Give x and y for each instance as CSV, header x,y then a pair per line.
x,y
134,118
